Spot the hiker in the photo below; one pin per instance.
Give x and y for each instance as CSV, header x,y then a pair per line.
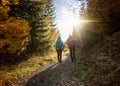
x,y
59,48
71,46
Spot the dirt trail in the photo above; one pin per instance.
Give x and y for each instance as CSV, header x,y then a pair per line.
x,y
55,74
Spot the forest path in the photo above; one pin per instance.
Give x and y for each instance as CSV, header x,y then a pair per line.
x,y
55,74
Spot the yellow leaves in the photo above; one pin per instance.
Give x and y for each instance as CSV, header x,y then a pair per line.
x,y
4,42
15,1
7,78
14,35
6,2
3,12
17,28
4,8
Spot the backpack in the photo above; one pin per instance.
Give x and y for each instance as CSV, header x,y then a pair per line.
x,y
59,45
72,44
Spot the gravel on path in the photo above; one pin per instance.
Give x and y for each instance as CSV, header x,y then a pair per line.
x,y
55,74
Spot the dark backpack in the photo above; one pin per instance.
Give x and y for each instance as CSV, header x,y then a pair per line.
x,y
72,44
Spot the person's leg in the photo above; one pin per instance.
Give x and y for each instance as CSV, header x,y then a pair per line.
x,y
71,53
74,54
58,55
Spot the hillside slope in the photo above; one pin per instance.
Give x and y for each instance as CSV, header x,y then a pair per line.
x,y
100,63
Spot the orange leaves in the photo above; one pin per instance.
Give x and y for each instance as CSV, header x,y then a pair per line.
x,y
8,79
46,0
3,12
5,8
54,34
1,83
17,28
12,34
15,1
6,2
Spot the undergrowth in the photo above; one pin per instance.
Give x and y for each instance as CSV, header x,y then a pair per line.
x,y
10,75
99,65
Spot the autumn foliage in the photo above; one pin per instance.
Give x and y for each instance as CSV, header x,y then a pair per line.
x,y
14,37
106,12
98,44
14,33
27,31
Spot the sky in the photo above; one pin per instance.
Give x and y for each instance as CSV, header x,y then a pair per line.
x,y
64,17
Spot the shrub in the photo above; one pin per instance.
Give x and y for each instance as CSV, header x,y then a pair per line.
x,y
14,37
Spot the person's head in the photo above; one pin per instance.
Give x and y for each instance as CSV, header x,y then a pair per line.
x,y
59,37
70,37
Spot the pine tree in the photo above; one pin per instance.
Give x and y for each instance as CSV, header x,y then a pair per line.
x,y
38,14
51,17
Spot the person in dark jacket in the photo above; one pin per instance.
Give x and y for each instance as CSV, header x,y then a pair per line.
x,y
59,46
71,46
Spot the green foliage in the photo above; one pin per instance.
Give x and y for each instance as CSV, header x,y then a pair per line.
x,y
38,15
98,55
100,64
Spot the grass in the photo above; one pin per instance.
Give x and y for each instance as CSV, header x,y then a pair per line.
x,y
99,64
9,76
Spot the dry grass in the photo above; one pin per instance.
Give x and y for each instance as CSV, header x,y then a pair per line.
x,y
9,76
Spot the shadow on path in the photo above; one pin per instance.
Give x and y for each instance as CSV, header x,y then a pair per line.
x,y
55,75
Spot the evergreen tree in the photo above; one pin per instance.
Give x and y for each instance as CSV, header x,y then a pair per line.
x,y
51,17
38,14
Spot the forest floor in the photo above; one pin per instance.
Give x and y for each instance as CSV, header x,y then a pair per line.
x,y
54,74
14,74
